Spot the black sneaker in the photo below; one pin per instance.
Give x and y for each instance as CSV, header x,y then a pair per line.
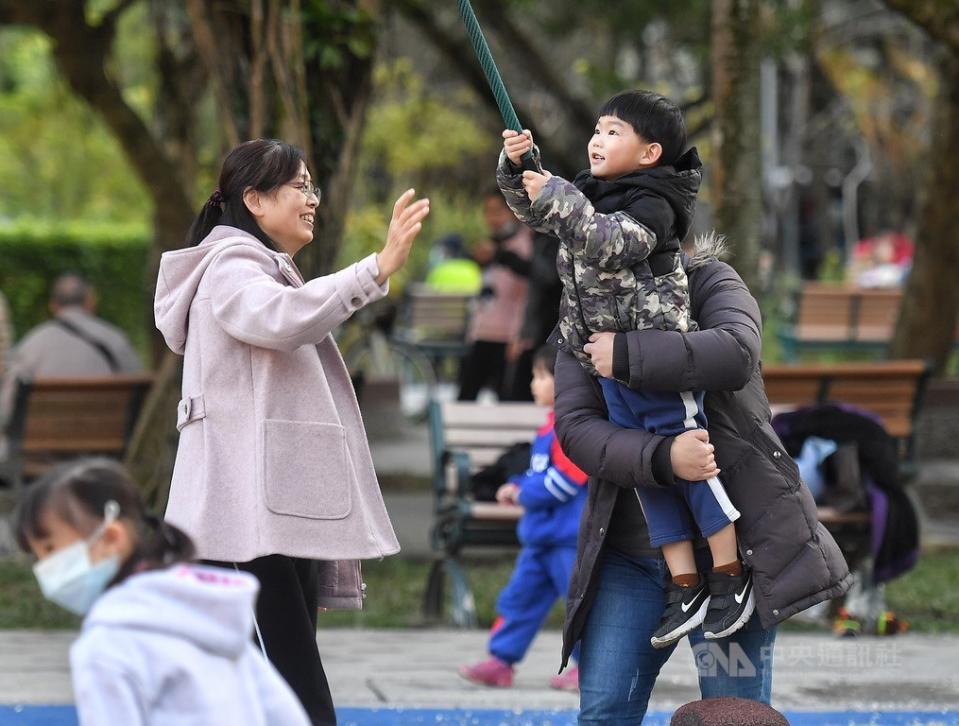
x,y
731,605
685,610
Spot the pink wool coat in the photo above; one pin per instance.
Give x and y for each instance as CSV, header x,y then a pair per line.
x,y
273,457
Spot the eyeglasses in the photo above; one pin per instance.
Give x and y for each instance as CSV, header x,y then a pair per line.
x,y
309,189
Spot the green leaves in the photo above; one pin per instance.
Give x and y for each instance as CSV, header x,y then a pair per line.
x,y
113,257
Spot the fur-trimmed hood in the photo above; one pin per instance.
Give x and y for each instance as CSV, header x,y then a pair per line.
x,y
706,247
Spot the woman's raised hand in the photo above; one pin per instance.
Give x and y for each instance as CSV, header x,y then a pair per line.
x,y
692,456
406,223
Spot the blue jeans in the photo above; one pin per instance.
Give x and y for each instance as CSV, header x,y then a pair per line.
x,y
618,666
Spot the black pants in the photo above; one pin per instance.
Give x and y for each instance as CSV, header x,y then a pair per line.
x,y
485,364
519,374
286,614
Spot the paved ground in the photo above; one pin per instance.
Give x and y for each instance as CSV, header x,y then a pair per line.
x,y
391,668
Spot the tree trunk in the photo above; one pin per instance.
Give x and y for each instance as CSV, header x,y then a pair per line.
x,y
736,170
82,53
292,90
152,449
927,322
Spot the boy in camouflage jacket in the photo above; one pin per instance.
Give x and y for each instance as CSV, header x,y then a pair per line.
x,y
620,225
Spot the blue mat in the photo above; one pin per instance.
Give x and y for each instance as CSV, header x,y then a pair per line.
x,y
66,716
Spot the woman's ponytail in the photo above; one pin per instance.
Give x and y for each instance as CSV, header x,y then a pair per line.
x,y
206,220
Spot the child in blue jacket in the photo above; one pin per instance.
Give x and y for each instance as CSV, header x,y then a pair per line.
x,y
552,492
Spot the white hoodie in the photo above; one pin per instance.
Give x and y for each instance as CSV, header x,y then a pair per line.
x,y
175,647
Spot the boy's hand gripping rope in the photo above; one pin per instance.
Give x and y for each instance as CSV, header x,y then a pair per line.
x,y
496,84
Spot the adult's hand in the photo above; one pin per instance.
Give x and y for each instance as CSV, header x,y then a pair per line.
x,y
404,226
600,352
692,456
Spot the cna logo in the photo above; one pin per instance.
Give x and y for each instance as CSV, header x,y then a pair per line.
x,y
713,660
539,462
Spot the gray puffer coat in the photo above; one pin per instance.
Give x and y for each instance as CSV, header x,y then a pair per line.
x,y
795,561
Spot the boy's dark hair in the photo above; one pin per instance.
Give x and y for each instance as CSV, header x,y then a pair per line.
x,y
77,493
652,116
545,357
260,164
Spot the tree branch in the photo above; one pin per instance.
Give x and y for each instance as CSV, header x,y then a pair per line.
x,y
495,17
257,100
81,54
461,58
939,18
207,45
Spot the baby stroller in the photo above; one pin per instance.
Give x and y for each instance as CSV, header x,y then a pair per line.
x,y
852,466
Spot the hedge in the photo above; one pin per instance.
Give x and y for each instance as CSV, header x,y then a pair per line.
x,y
114,258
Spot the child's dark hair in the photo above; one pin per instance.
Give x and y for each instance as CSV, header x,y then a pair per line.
x,y
652,116
545,357
78,492
261,164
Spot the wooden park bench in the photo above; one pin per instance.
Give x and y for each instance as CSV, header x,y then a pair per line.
x,y
464,438
892,390
435,323
841,317
55,419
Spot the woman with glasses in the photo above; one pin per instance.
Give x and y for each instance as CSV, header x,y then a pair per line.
x,y
273,472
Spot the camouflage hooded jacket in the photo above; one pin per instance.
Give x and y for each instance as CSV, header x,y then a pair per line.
x,y
619,256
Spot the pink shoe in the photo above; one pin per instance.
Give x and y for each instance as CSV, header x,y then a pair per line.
x,y
567,681
490,672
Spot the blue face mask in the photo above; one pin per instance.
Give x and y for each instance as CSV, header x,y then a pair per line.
x,y
69,579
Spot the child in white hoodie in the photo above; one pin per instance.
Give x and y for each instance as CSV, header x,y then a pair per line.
x,y
163,641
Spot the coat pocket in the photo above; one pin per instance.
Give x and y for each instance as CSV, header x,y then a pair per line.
x,y
306,470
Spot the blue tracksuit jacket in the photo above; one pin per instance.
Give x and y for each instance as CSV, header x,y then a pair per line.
x,y
552,491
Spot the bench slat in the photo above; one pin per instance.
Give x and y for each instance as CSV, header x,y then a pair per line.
x,y
459,437
886,388
458,414
496,512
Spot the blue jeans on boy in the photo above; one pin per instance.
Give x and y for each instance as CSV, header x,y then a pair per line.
x,y
618,666
540,577
685,510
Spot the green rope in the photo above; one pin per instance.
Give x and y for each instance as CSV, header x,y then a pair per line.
x,y
481,48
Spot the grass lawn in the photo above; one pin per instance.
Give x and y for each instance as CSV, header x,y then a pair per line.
x,y
22,605
927,597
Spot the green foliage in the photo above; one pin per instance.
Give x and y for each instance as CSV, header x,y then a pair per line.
x,y
833,267
113,257
366,228
421,138
333,29
416,138
57,159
